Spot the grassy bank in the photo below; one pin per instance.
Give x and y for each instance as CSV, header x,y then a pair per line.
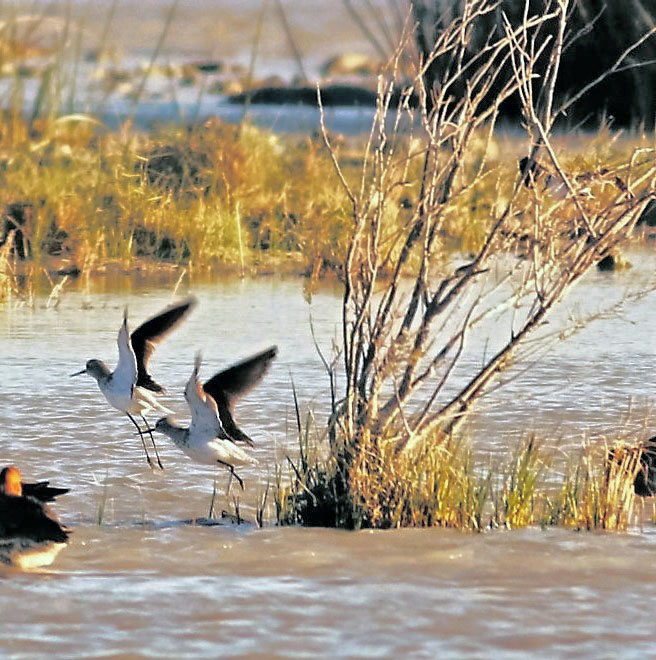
x,y
209,196
230,198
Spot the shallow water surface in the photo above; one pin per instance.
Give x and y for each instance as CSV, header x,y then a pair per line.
x,y
147,582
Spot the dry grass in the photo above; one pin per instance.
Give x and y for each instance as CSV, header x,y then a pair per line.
x,y
200,196
597,492
446,485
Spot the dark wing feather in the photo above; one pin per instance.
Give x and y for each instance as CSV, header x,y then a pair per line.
x,y
241,377
43,491
227,386
150,333
28,518
228,423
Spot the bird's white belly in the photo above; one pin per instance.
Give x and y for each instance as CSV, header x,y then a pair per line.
x,y
209,453
135,402
119,397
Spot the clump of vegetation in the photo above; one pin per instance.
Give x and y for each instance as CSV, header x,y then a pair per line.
x,y
439,488
445,485
598,492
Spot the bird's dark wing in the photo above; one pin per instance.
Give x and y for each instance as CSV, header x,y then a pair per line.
x,y
28,518
43,491
150,333
227,386
235,381
234,433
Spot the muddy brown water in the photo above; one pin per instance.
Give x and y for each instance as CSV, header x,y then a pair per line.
x,y
146,583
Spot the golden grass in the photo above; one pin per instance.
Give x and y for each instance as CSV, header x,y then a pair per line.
x,y
8,284
597,492
209,196
217,196
448,486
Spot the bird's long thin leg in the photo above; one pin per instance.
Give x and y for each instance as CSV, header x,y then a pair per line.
x,y
232,472
143,442
152,439
211,513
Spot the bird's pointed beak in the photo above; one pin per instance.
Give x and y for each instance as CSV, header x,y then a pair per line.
x,y
79,373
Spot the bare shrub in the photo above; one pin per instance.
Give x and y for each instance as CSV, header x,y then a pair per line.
x,y
408,307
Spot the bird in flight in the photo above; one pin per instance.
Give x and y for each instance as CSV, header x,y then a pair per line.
x,y
130,388
213,437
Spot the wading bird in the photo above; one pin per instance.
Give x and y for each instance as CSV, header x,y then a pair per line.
x,y
212,436
30,533
130,388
